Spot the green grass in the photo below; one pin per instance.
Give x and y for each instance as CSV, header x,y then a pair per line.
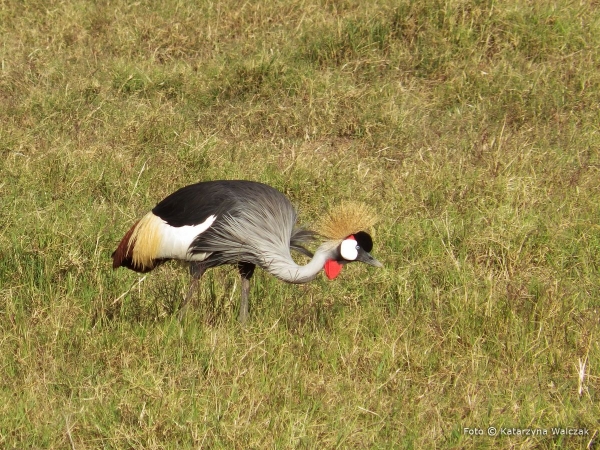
x,y
472,128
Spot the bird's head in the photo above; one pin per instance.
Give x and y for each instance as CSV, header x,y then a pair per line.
x,y
345,226
355,247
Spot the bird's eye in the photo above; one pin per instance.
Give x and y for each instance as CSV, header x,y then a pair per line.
x,y
358,247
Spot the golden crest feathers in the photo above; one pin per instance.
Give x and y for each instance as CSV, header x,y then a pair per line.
x,y
346,219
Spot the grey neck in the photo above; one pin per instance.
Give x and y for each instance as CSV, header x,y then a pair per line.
x,y
287,270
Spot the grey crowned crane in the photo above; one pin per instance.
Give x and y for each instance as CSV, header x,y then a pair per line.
x,y
247,224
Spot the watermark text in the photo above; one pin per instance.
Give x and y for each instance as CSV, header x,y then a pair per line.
x,y
518,431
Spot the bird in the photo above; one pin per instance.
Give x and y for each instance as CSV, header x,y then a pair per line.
x,y
246,224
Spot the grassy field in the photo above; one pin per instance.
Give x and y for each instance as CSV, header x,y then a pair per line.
x,y
472,127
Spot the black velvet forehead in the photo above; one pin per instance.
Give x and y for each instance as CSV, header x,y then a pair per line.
x,y
364,240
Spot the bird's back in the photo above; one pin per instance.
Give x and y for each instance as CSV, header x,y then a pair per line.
x,y
225,221
256,221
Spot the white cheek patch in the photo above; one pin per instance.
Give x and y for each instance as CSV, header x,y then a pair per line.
x,y
348,249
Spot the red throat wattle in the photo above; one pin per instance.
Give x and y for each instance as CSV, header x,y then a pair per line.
x,y
332,268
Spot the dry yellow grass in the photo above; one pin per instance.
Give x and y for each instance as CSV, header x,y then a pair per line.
x,y
470,128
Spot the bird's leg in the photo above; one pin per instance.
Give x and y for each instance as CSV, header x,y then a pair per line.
x,y
197,269
246,270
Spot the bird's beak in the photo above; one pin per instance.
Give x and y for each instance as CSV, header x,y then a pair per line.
x,y
366,258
